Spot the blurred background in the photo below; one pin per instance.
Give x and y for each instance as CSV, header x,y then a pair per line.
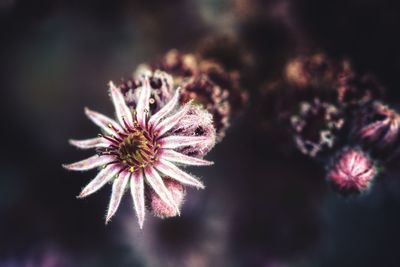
x,y
265,203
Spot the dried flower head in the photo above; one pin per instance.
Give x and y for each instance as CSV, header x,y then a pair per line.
x,y
377,128
316,127
209,83
138,150
183,66
161,84
351,172
200,88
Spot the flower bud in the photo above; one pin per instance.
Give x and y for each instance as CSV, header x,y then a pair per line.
x,y
377,128
212,98
351,172
162,209
197,122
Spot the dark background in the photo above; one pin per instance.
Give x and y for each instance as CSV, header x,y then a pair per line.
x,y
265,204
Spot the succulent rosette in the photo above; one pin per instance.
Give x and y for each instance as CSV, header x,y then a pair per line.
x,y
138,151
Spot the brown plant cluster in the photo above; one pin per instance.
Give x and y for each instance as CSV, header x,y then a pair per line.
x,y
330,109
205,81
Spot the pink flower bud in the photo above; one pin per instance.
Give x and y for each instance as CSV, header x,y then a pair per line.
x,y
377,128
162,209
197,122
351,172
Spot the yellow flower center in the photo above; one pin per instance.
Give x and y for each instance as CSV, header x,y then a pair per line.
x,y
136,150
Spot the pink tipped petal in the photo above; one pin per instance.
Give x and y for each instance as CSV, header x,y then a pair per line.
x,y
89,163
175,141
121,109
101,179
177,174
167,124
170,106
157,184
177,157
143,103
137,191
108,125
118,190
89,143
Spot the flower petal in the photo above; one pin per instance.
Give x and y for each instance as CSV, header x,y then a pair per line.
x,y
157,184
168,123
89,163
170,106
118,190
142,107
121,109
177,174
137,191
108,125
175,141
89,143
177,157
101,179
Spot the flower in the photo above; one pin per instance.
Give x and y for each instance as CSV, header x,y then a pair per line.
x,y
316,127
138,150
351,172
377,128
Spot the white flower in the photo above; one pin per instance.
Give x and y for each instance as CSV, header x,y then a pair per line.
x,y
138,150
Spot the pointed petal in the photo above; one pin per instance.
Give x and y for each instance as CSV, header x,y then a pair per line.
x,y
168,123
142,106
170,170
170,106
103,122
89,163
121,109
89,143
101,179
175,141
137,191
177,157
118,190
157,184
